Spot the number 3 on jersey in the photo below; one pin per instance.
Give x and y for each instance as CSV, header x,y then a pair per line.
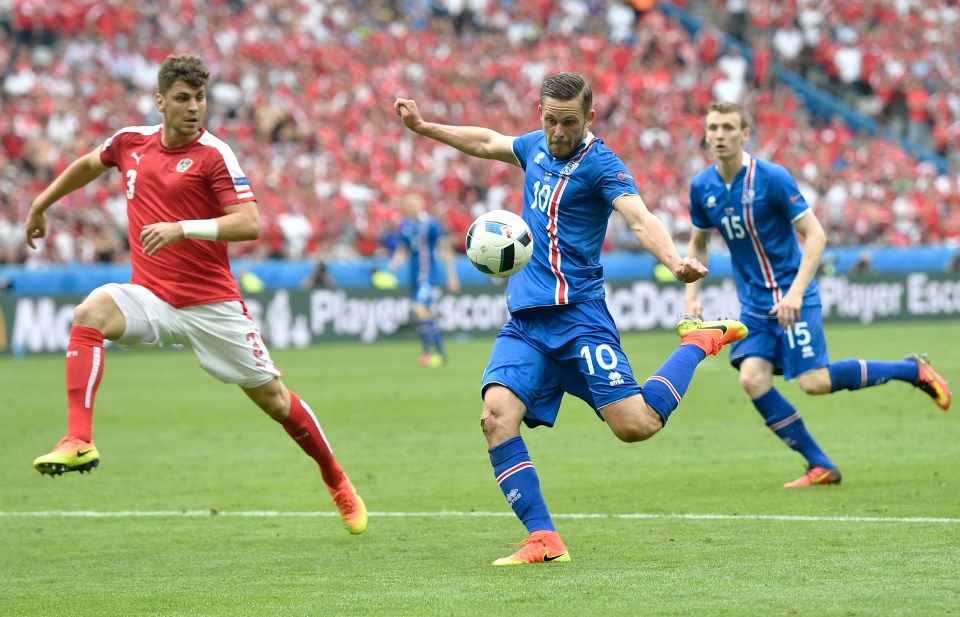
x,y
131,179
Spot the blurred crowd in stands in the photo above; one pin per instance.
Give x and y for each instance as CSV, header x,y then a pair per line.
x,y
303,92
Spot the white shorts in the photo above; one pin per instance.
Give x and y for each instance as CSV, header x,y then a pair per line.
x,y
222,335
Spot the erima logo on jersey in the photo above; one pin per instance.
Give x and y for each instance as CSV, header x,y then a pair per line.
x,y
711,202
184,165
616,379
538,158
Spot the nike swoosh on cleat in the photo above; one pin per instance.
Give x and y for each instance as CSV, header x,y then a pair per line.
x,y
722,328
79,453
549,558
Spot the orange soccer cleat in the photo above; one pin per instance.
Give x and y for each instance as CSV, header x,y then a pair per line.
x,y
710,336
816,476
353,511
930,382
540,547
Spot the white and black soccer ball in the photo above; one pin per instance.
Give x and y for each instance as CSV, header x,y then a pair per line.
x,y
499,243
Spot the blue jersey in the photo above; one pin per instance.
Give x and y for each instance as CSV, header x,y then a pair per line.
x,y
567,203
755,216
421,237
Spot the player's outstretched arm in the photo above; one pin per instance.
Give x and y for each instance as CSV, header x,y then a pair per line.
x,y
476,141
79,173
653,236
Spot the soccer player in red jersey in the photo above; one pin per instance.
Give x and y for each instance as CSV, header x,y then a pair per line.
x,y
186,198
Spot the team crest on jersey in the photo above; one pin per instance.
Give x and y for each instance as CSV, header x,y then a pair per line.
x,y
748,196
569,168
184,165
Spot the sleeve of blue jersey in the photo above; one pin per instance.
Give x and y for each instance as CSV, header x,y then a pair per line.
x,y
522,145
790,198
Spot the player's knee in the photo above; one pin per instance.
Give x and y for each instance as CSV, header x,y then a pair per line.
x,y
634,427
501,416
488,424
815,382
753,384
86,314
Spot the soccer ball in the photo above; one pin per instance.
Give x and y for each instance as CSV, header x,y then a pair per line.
x,y
499,243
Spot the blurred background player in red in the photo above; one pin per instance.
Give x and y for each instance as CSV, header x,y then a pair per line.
x,y
187,197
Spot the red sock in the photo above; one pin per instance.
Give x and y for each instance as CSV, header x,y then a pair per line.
x,y
84,372
302,425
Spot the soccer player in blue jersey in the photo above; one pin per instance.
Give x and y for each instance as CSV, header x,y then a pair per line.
x,y
560,337
758,209
421,240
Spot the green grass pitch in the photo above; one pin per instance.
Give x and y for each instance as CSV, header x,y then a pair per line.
x,y
203,506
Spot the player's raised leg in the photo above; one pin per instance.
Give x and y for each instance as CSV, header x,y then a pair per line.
x,y
301,424
915,369
639,417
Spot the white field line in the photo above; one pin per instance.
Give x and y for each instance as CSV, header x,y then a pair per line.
x,y
452,514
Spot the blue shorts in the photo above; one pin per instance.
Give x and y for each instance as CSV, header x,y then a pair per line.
x,y
792,352
543,352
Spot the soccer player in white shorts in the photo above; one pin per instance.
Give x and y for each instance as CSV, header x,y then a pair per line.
x,y
187,197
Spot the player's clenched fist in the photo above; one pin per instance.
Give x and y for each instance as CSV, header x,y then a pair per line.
x,y
408,112
689,270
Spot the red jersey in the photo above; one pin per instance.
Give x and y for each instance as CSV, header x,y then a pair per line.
x,y
196,181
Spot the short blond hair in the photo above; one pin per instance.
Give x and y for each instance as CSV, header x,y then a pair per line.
x,y
729,107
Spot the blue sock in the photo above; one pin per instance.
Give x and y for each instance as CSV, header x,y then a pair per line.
x,y
423,329
783,419
435,336
520,485
664,389
853,374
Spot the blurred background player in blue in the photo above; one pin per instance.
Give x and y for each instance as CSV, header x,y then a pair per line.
x,y
421,240
560,337
759,211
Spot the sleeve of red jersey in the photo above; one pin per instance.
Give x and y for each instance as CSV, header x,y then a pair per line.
x,y
109,151
228,182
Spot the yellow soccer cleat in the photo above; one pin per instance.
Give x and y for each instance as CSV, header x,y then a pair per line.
x,y
540,547
353,511
930,382
69,455
710,336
